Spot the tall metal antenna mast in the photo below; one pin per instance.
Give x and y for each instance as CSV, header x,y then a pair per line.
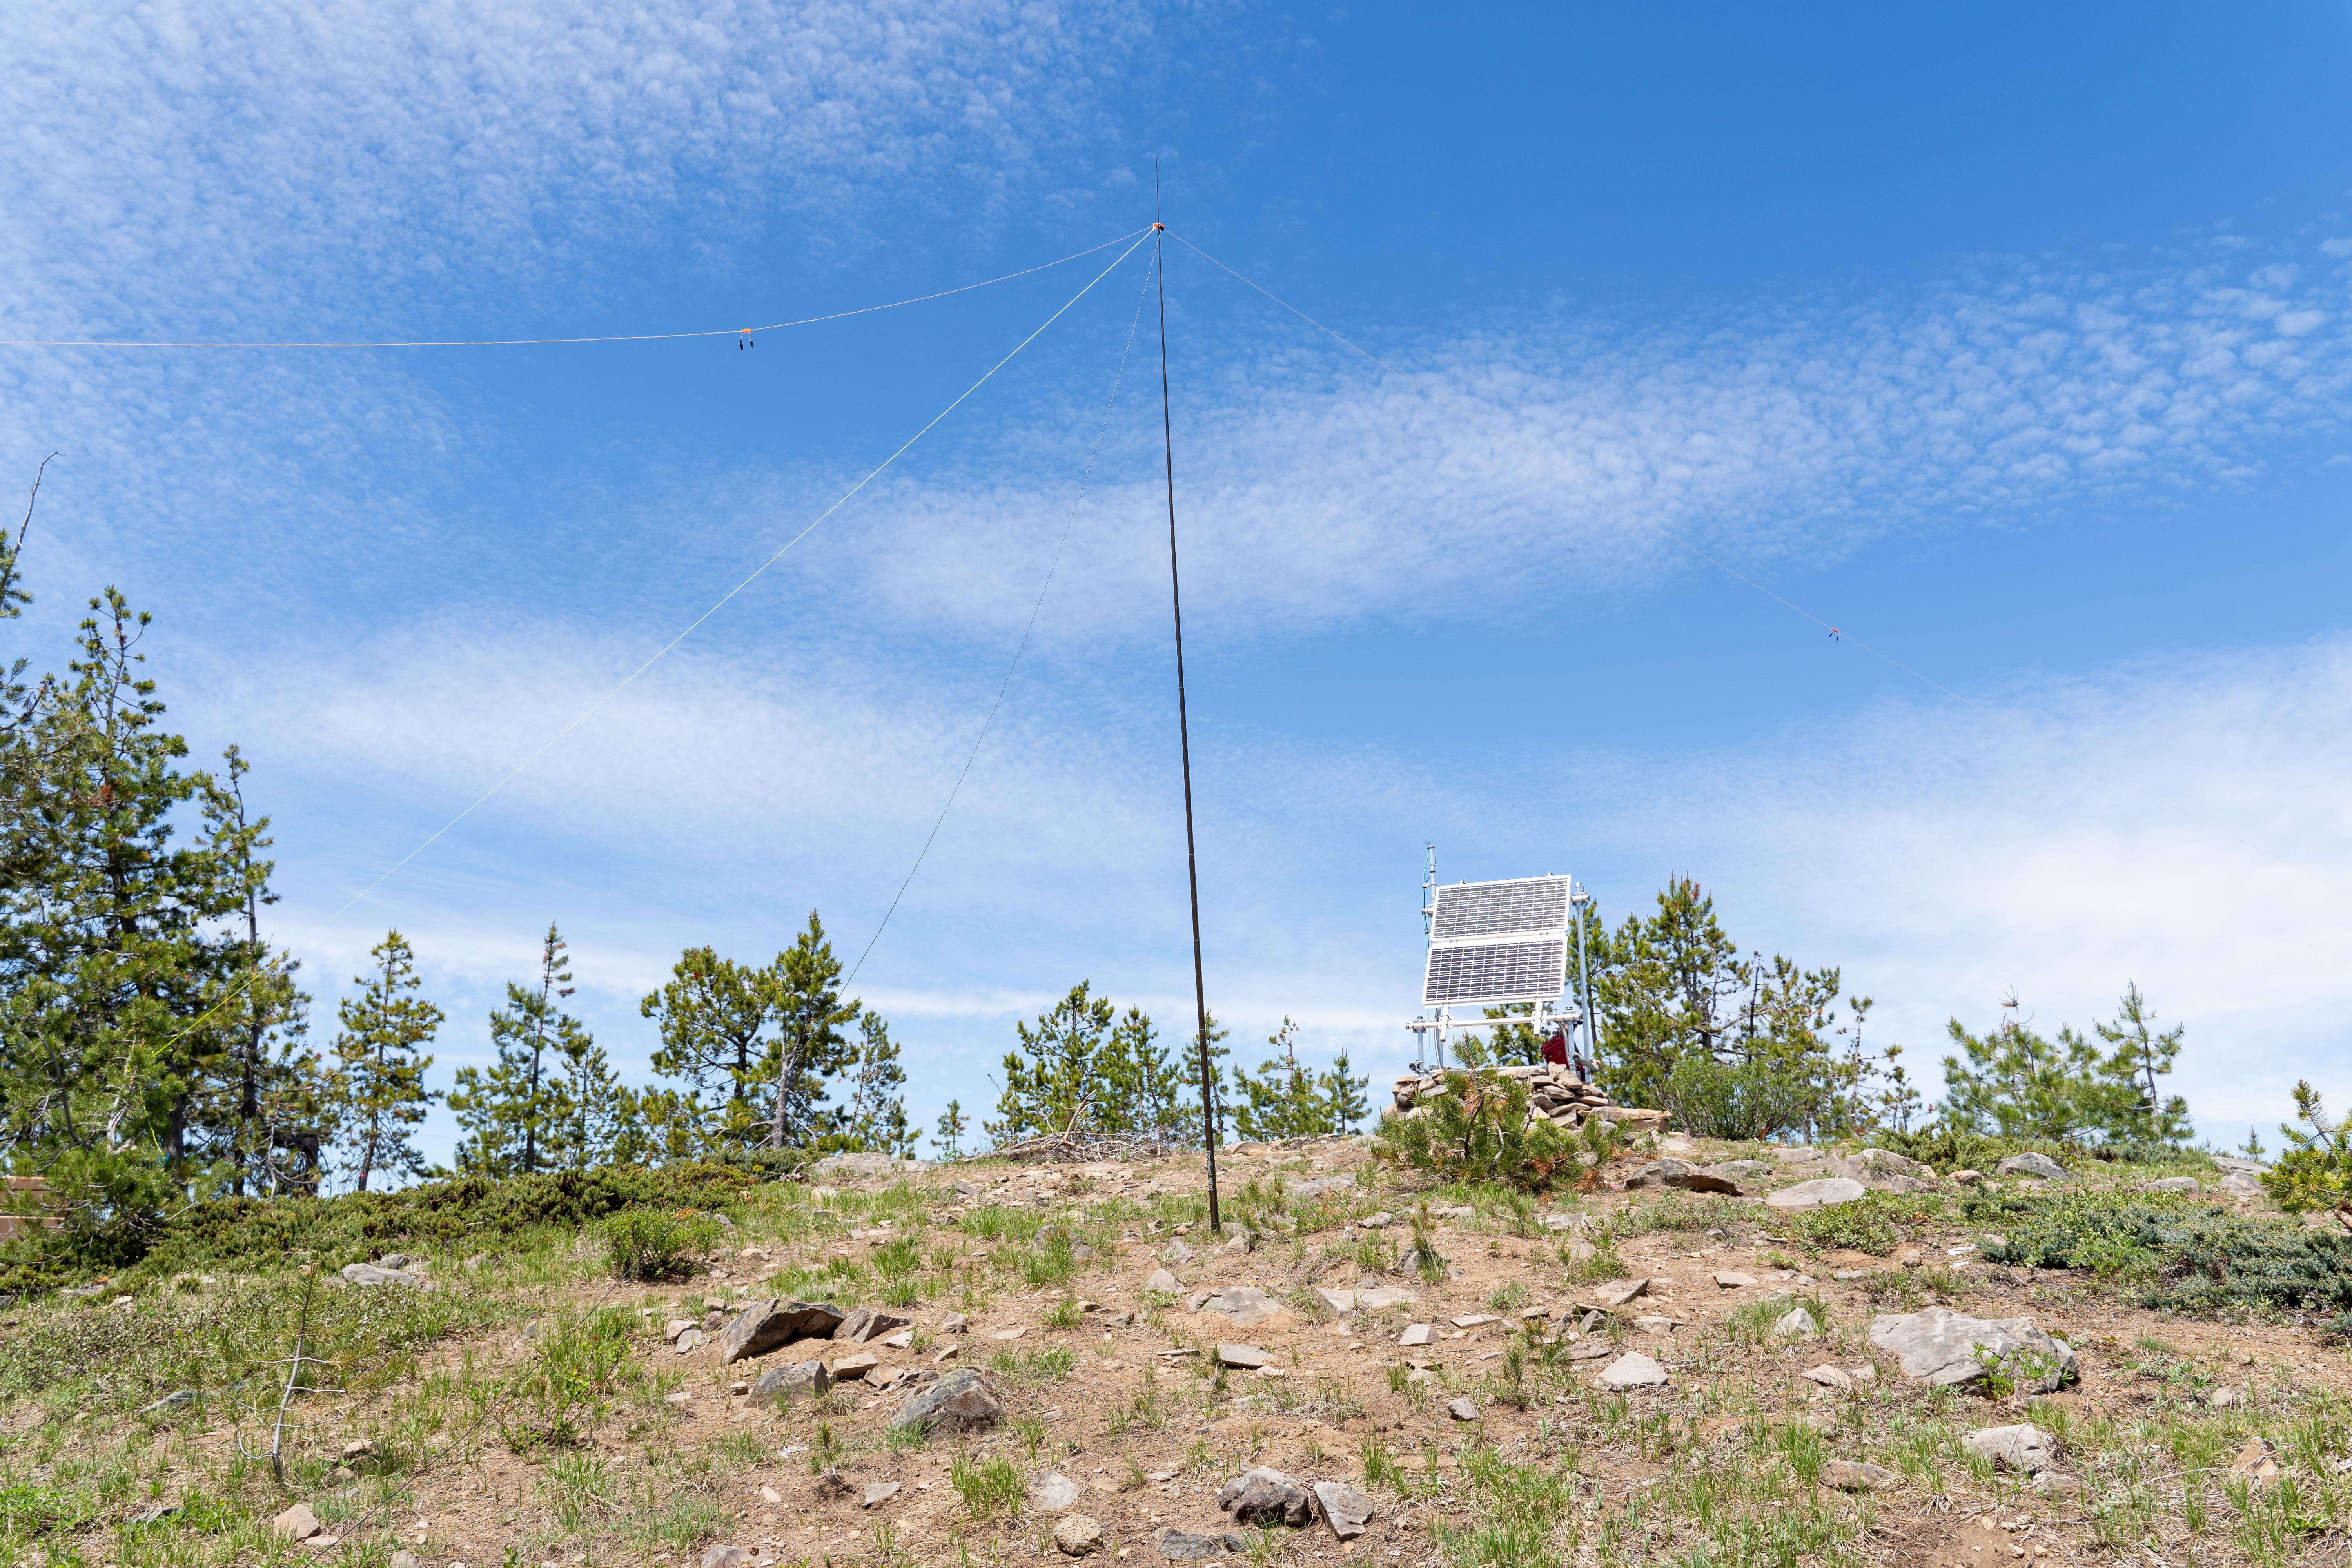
x,y
1183,726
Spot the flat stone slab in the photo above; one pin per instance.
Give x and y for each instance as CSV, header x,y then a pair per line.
x,y
369,1274
1942,1347
1374,1298
1246,1305
880,1492
2027,1449
959,1402
1246,1357
1415,1335
1731,1279
1683,1175
1266,1497
867,1323
781,1384
850,1368
1617,1292
1055,1492
766,1326
2040,1167
1190,1546
1819,1193
1632,1370
1854,1475
1348,1511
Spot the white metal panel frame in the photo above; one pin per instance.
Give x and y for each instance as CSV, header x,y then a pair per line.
x,y
1497,942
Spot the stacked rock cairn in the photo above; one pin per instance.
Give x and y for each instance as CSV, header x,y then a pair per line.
x,y
1553,1093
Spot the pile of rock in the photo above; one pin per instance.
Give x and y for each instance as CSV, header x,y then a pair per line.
x,y
1553,1093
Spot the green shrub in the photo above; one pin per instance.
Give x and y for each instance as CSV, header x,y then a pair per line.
x,y
1873,1223
1478,1131
2184,1255
654,1244
433,1217
1747,1102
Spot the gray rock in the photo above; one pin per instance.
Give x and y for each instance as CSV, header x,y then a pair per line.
x,y
2170,1185
867,1323
368,1274
959,1402
1372,1297
2240,1185
297,1523
879,1492
1796,1323
1853,1476
1617,1292
2230,1166
955,1324
1632,1370
1176,1253
1324,1184
402,1559
1260,1495
1879,1167
766,1326
689,1341
1185,1546
1077,1536
1943,1347
2040,1167
1829,1376
1681,1174
725,1557
1245,1357
1246,1305
1054,1491
783,1385
1166,1284
1744,1171
1463,1409
1819,1193
393,1260
2025,1448
856,1167
1348,1511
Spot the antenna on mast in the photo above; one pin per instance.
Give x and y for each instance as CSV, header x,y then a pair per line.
x,y
1183,726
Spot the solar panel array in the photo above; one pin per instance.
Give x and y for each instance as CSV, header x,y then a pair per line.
x,y
1496,971
1500,908
1498,942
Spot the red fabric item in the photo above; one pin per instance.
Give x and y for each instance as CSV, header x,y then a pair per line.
x,y
1555,1049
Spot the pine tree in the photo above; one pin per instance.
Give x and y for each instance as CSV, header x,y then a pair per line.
x,y
1288,1100
1142,1085
1049,1077
266,1116
952,1125
2141,1056
503,1108
714,1017
810,1045
584,1125
877,1105
379,1079
1345,1103
654,1126
113,963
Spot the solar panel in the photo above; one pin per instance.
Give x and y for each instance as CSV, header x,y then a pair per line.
x,y
1496,971
1529,904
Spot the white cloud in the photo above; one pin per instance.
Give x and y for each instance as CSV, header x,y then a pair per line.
x,y
1544,454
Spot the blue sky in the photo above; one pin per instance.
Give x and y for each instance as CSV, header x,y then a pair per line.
x,y
2015,344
